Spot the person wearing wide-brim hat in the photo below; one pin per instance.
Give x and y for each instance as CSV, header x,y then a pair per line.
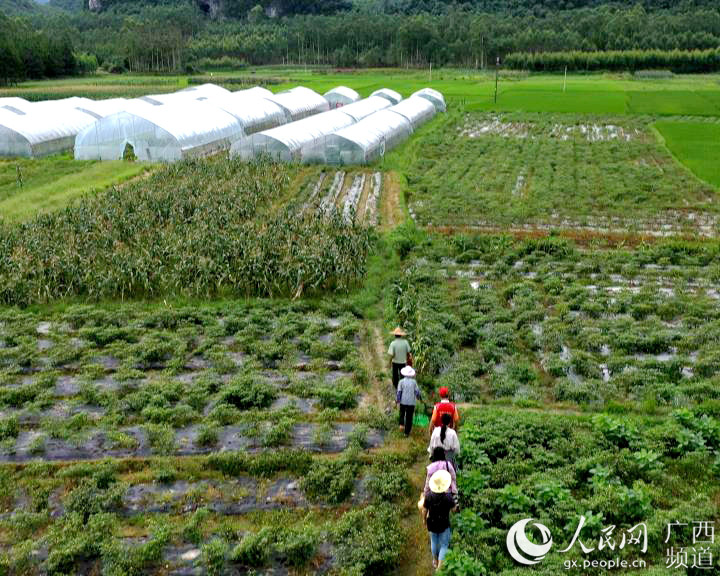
x,y
408,393
438,503
400,355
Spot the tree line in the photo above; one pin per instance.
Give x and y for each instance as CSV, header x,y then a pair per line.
x,y
29,53
173,36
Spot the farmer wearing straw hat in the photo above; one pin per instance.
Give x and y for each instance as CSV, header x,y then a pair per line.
x,y
399,352
407,393
437,505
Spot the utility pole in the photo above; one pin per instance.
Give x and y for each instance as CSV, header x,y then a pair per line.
x,y
431,72
497,71
565,79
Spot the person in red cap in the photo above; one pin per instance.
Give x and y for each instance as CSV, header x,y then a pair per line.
x,y
444,407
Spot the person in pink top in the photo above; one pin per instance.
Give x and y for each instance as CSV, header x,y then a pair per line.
x,y
438,462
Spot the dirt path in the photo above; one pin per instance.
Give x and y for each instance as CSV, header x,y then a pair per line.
x,y
416,561
391,204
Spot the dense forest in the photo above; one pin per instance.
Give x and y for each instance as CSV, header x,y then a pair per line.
x,y
68,37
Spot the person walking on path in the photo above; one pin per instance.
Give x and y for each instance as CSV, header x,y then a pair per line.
x,y
444,407
399,352
446,438
437,506
439,462
407,394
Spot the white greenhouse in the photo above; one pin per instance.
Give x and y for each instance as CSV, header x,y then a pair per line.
x,y
254,113
160,133
433,96
199,92
41,132
363,108
416,110
102,108
15,104
300,103
287,143
341,96
391,95
367,140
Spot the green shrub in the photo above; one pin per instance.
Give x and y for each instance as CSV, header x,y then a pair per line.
x,y
370,540
213,554
460,563
9,428
245,392
254,549
387,479
193,528
341,395
207,435
297,545
330,481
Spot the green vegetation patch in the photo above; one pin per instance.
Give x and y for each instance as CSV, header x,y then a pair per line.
x,y
696,145
32,186
200,227
599,173
613,470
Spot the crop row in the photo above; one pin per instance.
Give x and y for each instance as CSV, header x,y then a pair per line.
x,y
616,471
608,174
198,228
543,321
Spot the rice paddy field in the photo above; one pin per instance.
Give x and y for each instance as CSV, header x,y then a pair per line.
x,y
193,369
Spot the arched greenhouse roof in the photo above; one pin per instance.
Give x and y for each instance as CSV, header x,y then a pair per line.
x,y
287,142
391,95
368,139
433,96
417,110
341,96
15,104
204,90
160,133
254,113
363,108
300,102
102,108
41,132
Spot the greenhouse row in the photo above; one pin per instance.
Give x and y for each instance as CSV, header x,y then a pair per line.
x,y
358,133
202,120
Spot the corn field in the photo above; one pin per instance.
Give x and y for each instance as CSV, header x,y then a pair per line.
x,y
198,228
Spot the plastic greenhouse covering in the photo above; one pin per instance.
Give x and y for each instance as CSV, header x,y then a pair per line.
x,y
416,110
102,108
199,92
340,96
15,104
41,132
362,108
364,141
287,143
433,96
300,103
254,113
391,95
160,133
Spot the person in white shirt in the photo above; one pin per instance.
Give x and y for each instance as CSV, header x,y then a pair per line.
x,y
446,438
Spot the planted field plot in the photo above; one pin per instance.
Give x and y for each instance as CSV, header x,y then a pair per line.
x,y
615,471
29,186
90,383
198,228
354,194
226,411
544,322
489,171
695,144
